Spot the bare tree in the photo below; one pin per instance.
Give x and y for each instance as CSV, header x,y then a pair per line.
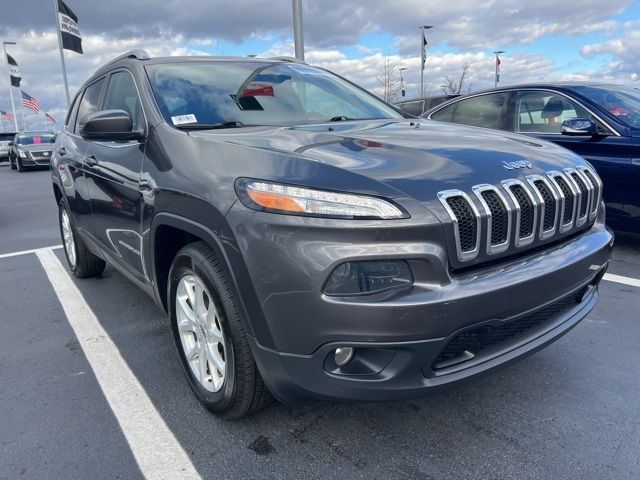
x,y
388,81
452,86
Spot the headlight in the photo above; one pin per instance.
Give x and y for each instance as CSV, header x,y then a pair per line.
x,y
279,198
22,153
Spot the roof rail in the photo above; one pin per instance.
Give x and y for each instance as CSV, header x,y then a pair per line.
x,y
137,53
288,59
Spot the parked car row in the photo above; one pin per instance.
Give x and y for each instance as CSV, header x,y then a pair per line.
x,y
599,122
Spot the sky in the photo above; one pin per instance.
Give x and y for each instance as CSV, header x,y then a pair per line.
x,y
545,40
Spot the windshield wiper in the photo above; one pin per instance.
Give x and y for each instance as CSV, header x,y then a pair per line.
x,y
210,126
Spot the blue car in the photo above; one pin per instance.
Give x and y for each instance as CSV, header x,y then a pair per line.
x,y
599,122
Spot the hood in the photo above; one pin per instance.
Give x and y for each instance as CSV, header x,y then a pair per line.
x,y
40,147
417,159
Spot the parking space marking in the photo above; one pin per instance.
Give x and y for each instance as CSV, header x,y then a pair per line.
x,y
24,252
611,277
155,448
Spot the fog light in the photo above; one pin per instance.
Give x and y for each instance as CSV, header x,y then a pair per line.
x,y
343,355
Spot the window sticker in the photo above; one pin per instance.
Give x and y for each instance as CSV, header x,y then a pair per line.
x,y
182,119
37,140
258,89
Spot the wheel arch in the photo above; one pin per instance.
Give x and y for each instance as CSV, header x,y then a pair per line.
x,y
169,233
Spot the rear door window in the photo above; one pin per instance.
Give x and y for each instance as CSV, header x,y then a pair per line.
x,y
482,111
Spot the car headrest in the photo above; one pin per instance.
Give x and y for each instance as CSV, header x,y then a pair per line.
x,y
553,108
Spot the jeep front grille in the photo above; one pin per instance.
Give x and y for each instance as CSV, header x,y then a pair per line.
x,y
517,213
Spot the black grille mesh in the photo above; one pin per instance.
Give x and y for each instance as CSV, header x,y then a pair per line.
x,y
475,341
467,222
584,197
526,210
568,200
549,205
499,217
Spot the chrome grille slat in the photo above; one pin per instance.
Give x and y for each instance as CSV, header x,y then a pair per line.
x,y
596,186
549,204
524,227
582,196
495,205
445,198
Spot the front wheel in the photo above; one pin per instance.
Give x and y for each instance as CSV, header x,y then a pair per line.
x,y
82,262
12,164
19,165
210,337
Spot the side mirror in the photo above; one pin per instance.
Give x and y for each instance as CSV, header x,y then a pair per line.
x,y
107,125
579,126
10,144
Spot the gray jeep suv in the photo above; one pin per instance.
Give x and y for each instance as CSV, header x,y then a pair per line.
x,y
307,240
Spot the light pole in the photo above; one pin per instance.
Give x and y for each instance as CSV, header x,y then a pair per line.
x,y
6,59
402,92
497,52
423,55
298,34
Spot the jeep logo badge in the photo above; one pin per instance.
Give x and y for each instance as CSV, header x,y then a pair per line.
x,y
517,164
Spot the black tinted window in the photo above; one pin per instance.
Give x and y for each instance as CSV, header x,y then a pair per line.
x,y
35,139
73,112
481,111
89,102
544,112
413,108
445,114
122,95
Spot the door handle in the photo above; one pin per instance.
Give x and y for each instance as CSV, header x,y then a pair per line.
x,y
91,160
61,151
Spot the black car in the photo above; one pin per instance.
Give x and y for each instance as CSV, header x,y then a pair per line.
x,y
306,240
600,122
31,150
5,139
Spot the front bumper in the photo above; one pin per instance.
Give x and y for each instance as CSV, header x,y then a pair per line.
x,y
35,162
399,336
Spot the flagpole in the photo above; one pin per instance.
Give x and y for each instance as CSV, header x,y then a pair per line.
x,y
423,56
64,68
497,52
13,105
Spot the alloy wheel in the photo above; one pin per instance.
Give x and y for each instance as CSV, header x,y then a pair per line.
x,y
200,332
67,238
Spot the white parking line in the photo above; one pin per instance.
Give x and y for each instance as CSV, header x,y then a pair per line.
x,y
155,448
24,252
634,282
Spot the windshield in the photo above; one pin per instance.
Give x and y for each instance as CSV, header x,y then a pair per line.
x,y
622,102
35,139
252,93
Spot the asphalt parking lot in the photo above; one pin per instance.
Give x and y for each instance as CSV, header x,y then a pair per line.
x,y
569,411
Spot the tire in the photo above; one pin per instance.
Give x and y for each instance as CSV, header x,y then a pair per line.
x,y
81,261
236,390
12,164
19,165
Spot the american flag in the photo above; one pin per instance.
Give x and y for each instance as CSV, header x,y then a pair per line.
x,y
6,116
49,118
29,102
